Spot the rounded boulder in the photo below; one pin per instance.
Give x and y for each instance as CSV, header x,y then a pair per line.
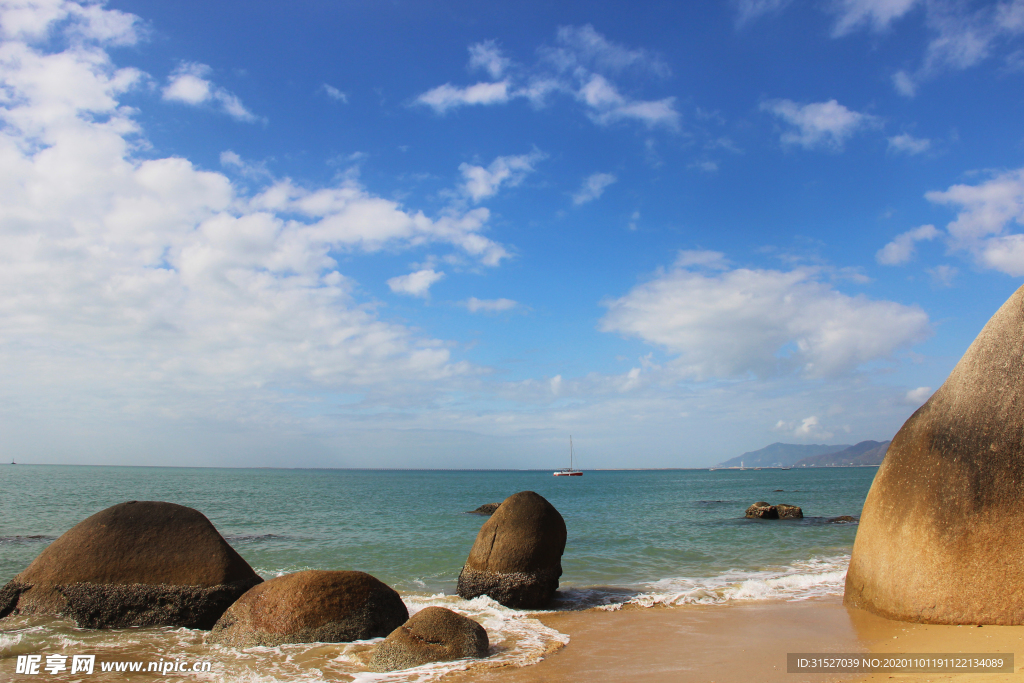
x,y
940,536
314,606
140,563
434,634
517,556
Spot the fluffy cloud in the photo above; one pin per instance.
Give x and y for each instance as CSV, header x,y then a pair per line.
x,y
987,212
908,144
487,56
447,96
593,187
876,13
334,93
732,323
475,305
142,284
189,84
580,64
901,249
819,124
480,183
919,395
415,284
749,10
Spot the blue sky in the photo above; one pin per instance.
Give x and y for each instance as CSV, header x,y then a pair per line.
x,y
349,234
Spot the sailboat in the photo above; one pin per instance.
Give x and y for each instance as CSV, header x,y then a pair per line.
x,y
569,471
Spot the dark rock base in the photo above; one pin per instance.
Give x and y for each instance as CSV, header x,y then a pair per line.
x,y
518,590
94,605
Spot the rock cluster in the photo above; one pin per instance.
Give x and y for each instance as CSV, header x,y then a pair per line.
x,y
140,563
517,556
434,634
763,510
311,606
941,532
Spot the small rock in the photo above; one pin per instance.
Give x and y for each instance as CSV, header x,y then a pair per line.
x,y
842,519
434,634
762,510
789,511
485,509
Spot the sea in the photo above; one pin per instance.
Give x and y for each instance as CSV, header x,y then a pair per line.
x,y
636,539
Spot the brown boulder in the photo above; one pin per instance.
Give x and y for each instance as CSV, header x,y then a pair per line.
x,y
140,563
762,510
941,533
434,634
313,606
789,511
517,556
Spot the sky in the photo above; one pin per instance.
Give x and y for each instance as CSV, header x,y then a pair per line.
x,y
452,234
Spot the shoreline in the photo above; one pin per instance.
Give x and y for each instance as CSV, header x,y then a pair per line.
x,y
743,643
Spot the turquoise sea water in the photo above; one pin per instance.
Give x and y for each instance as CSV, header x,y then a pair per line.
x,y
645,537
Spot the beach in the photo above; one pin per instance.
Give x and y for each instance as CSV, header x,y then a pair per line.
x,y
745,643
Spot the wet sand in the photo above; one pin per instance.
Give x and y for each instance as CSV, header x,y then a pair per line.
x,y
745,643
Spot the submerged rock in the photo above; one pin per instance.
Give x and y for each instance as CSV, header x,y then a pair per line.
x,y
140,563
517,556
763,510
434,634
841,519
789,511
485,509
941,532
314,606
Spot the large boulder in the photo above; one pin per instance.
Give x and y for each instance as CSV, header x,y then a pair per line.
x,y
942,530
434,634
314,606
140,563
517,556
787,511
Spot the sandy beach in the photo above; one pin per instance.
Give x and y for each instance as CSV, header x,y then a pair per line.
x,y
745,644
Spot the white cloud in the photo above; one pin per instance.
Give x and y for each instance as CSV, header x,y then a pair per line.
x,y
943,275
733,323
334,93
962,34
134,284
879,14
819,124
986,214
582,46
908,144
901,249
749,10
579,65
447,96
593,187
919,395
480,183
807,429
475,305
904,84
487,56
415,284
189,84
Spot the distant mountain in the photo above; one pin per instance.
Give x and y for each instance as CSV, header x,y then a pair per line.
x,y
864,453
782,455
